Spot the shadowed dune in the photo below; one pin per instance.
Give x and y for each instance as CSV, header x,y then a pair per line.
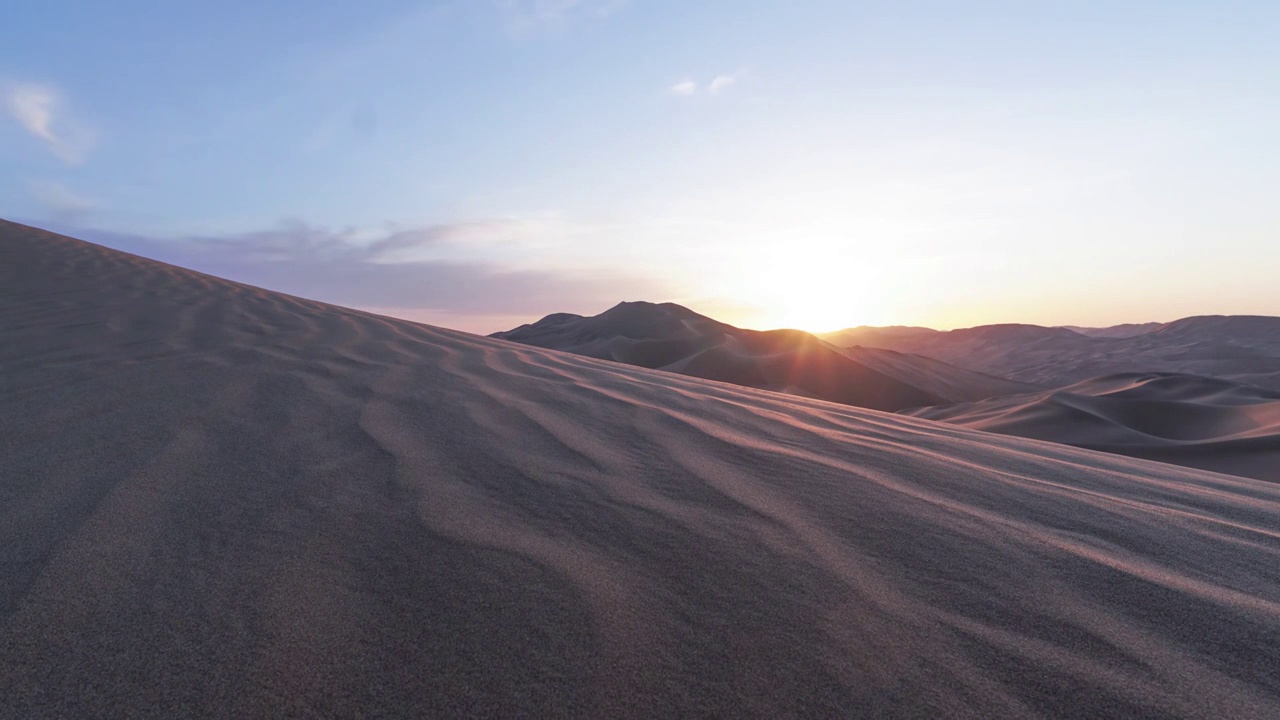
x,y
1185,419
220,501
670,337
953,384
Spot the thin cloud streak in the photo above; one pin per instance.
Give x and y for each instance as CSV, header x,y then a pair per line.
x,y
62,203
39,109
684,88
347,267
721,83
718,85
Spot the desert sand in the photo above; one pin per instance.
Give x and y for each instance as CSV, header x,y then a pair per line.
x,y
216,500
1190,420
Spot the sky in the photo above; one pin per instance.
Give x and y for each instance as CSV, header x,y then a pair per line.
x,y
477,164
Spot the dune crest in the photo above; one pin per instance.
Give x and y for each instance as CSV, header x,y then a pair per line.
x,y
1189,420
223,501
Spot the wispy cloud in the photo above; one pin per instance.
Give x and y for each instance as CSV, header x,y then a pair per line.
x,y
40,110
356,268
522,17
61,203
721,83
298,241
684,88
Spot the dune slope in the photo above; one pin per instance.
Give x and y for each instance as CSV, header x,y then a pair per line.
x,y
220,501
1196,421
953,384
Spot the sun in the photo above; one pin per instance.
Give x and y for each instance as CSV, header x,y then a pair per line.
x,y
815,292
819,306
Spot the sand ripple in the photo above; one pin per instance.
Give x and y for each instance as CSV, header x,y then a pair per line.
x,y
221,501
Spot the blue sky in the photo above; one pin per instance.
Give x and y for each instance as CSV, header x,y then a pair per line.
x,y
814,164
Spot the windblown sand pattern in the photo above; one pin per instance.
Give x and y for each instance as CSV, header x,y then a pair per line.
x,y
220,501
1200,422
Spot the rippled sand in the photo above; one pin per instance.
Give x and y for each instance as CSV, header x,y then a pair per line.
x,y
1201,422
220,501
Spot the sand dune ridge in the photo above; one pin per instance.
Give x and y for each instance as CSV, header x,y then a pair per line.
x,y
222,501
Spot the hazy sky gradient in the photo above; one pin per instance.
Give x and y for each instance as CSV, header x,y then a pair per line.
x,y
814,164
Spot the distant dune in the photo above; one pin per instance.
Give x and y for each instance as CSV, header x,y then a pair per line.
x,y
874,337
1184,419
219,501
949,382
1117,331
670,337
1243,348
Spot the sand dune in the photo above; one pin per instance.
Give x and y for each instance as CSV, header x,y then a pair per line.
x,y
1235,347
220,501
1117,331
953,384
670,337
875,337
1185,419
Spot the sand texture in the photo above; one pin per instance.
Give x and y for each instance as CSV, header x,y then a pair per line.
x,y
218,501
1190,420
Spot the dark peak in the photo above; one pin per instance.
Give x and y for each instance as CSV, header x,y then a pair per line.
x,y
640,310
554,320
558,319
644,306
